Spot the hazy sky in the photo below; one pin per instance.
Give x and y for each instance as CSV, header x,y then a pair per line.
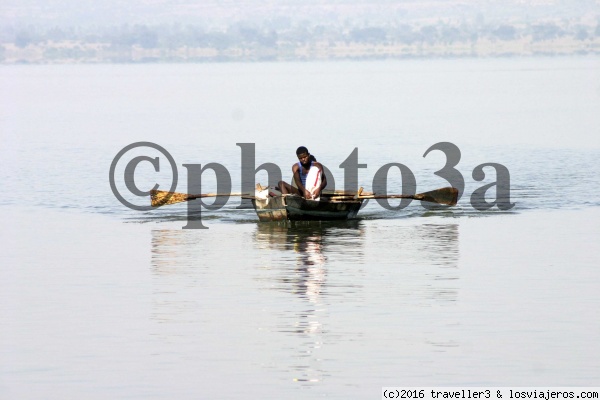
x,y
85,13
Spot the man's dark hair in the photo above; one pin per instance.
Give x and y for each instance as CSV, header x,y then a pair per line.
x,y
301,150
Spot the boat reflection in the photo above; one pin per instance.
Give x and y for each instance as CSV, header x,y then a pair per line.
x,y
329,267
299,254
300,251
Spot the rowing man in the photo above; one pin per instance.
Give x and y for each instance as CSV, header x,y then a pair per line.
x,y
309,176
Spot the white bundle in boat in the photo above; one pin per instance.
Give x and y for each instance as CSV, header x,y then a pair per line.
x,y
261,194
264,194
313,181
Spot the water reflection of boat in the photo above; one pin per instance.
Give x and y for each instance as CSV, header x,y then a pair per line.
x,y
311,237
299,254
302,252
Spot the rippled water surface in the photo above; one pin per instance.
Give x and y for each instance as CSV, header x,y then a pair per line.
x,y
100,301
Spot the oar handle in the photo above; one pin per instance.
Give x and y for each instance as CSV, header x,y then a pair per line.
x,y
202,195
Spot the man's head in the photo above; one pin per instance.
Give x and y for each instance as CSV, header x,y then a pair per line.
x,y
303,155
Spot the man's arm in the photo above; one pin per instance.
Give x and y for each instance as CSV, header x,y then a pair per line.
x,y
323,180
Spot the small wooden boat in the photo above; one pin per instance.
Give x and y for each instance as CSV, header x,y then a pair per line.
x,y
295,208
333,205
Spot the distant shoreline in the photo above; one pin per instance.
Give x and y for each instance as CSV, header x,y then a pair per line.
x,y
78,52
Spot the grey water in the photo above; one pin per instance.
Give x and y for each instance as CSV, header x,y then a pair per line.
x,y
98,300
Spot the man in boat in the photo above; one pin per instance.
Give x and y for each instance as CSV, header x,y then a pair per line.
x,y
302,170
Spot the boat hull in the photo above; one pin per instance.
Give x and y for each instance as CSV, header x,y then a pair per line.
x,y
296,208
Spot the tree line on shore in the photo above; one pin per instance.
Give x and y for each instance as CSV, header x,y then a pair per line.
x,y
283,33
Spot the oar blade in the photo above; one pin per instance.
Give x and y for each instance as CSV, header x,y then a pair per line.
x,y
162,197
447,196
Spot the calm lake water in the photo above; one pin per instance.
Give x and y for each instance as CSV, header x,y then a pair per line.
x,y
99,301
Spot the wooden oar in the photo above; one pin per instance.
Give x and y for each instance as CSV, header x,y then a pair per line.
x,y
162,197
447,196
342,193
